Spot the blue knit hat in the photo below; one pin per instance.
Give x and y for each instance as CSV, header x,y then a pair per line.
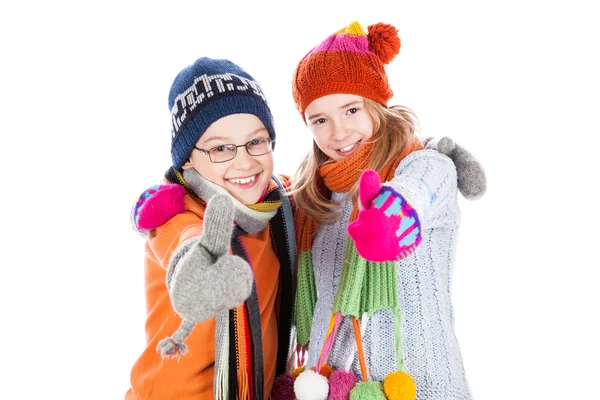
x,y
206,91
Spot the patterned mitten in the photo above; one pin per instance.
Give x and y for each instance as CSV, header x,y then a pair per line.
x,y
387,227
156,206
203,278
471,176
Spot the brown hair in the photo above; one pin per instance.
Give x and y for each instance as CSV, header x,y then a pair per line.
x,y
392,127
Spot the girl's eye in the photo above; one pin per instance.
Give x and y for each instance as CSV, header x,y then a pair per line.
x,y
319,121
352,110
221,149
256,142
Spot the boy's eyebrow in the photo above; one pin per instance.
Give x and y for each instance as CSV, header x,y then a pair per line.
x,y
217,138
254,132
352,103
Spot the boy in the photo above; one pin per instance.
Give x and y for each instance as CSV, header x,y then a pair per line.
x,y
222,141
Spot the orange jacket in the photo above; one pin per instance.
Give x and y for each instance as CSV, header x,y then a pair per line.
x,y
191,377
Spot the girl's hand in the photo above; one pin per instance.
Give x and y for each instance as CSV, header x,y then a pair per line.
x,y
472,182
387,227
157,205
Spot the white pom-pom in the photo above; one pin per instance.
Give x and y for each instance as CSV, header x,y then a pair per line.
x,y
311,386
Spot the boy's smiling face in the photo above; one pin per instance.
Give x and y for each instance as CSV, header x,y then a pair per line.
x,y
245,177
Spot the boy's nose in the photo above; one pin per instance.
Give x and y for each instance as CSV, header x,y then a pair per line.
x,y
243,159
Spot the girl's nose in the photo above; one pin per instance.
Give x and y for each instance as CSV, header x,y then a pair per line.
x,y
340,132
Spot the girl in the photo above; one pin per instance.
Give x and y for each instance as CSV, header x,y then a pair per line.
x,y
375,262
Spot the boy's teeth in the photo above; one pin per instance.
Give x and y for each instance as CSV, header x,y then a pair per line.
x,y
243,181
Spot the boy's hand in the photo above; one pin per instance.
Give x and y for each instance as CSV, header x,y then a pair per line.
x,y
206,279
387,227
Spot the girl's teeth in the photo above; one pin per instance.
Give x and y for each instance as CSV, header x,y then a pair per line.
x,y
347,148
243,181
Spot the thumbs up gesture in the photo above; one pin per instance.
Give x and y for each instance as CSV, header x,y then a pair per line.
x,y
206,279
387,227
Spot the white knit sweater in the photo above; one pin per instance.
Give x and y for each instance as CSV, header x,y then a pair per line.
x,y
431,355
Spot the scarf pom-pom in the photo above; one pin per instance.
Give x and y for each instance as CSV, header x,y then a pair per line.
x,y
399,386
283,388
311,386
341,383
297,371
368,391
170,349
326,371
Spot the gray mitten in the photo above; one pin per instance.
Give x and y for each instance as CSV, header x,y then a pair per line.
x,y
203,279
471,176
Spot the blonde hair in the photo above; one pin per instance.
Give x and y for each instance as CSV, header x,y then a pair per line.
x,y
392,128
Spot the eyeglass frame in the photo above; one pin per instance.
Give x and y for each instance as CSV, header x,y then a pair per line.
x,y
207,152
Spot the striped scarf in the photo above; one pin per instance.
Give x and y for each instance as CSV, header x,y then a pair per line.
x,y
239,368
363,288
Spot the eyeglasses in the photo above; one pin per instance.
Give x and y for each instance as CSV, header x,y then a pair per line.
x,y
227,152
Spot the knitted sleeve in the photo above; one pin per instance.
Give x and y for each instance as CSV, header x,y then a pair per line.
x,y
428,181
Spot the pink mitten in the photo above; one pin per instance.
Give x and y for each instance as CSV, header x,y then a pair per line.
x,y
387,227
157,205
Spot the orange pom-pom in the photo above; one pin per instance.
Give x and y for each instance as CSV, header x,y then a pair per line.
x,y
399,386
384,41
326,371
297,371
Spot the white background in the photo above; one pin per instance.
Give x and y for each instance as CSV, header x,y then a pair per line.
x,y
85,128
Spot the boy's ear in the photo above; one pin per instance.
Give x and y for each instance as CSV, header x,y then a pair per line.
x,y
188,164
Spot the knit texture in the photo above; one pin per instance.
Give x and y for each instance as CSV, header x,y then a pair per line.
x,y
155,206
348,61
204,280
338,176
472,182
387,227
251,218
365,285
205,91
430,351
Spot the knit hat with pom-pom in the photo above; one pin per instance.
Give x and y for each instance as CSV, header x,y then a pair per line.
x,y
351,62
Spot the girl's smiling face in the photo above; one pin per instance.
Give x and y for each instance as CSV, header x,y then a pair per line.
x,y
340,124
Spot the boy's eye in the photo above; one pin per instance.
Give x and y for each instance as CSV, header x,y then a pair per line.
x,y
319,121
257,142
220,149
